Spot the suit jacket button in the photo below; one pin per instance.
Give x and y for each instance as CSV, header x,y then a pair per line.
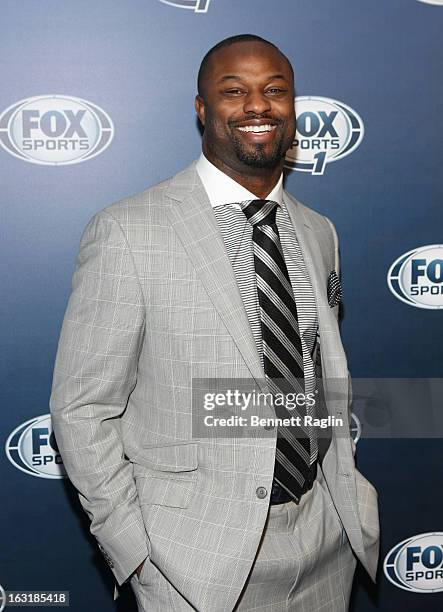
x,y
261,492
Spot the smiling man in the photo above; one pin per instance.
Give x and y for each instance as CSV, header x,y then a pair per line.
x,y
248,115
216,273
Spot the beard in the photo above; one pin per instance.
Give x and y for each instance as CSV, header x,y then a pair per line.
x,y
226,144
257,156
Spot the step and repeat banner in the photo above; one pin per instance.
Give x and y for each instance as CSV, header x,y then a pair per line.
x,y
96,104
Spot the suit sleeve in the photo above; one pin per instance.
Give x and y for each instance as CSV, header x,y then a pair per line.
x,y
94,374
337,269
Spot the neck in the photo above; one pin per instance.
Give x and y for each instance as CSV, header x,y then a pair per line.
x,y
259,181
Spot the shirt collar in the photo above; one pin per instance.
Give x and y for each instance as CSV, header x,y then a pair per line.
x,y
222,189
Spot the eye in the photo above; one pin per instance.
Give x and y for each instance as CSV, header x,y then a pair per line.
x,y
276,90
234,91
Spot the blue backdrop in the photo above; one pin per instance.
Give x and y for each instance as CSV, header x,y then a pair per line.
x,y
128,69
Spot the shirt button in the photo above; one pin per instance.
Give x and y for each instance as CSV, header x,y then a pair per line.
x,y
261,492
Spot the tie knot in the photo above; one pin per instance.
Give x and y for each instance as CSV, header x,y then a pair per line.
x,y
260,212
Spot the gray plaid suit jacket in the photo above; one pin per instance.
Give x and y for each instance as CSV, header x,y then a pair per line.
x,y
155,304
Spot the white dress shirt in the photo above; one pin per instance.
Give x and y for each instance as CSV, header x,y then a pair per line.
x,y
222,189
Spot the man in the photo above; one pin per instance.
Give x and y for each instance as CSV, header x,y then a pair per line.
x,y
216,273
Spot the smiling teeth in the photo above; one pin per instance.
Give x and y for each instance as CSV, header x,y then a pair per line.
x,y
257,128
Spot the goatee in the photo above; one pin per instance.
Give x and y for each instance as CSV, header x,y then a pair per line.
x,y
258,157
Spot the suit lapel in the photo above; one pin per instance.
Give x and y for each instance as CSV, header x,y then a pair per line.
x,y
192,217
333,356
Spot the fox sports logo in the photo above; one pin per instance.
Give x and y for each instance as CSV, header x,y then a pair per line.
x,y
327,130
416,564
55,130
32,448
198,6
416,277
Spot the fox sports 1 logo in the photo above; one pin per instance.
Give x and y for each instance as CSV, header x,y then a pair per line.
x,y
55,130
198,6
327,130
32,448
416,564
416,277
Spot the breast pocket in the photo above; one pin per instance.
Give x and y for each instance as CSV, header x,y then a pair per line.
x,y
166,475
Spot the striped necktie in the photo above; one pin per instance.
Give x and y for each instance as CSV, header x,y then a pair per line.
x,y
296,451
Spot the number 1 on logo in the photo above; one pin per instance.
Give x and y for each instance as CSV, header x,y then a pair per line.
x,y
202,6
320,163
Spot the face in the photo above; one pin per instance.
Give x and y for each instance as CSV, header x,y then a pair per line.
x,y
247,107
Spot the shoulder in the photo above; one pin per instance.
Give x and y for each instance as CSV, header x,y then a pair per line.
x,y
146,208
318,223
154,198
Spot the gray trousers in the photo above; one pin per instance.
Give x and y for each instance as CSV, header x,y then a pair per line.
x,y
304,563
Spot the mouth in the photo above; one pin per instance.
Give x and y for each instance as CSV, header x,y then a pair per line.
x,y
257,129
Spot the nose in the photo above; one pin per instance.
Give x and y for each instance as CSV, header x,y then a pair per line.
x,y
256,102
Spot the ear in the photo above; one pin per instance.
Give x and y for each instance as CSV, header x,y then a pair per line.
x,y
200,108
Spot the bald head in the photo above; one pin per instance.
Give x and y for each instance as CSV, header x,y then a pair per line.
x,y
204,73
